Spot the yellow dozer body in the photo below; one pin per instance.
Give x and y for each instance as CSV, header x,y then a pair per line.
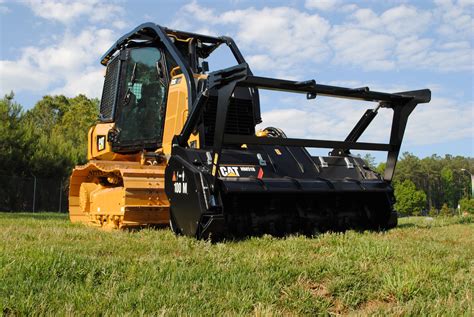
x,y
116,190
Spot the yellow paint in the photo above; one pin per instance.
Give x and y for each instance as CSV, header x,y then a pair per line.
x,y
174,71
100,130
137,199
213,170
176,114
179,39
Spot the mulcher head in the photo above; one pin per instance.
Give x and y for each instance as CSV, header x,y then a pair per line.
x,y
239,184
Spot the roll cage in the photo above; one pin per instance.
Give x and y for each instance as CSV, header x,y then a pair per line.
x,y
151,32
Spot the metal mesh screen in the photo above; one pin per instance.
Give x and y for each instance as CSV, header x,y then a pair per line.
x,y
109,93
240,119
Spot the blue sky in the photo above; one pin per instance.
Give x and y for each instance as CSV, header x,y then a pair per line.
x,y
54,47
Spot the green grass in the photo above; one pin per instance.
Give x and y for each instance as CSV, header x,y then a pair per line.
x,y
51,267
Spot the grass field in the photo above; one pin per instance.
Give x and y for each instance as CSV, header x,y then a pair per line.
x,y
49,266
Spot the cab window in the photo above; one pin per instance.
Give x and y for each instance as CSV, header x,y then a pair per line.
x,y
142,107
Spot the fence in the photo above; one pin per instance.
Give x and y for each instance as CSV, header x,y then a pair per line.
x,y
33,194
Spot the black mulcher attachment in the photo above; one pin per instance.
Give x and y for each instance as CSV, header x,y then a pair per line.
x,y
239,183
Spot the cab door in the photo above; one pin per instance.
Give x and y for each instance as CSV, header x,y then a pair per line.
x,y
142,101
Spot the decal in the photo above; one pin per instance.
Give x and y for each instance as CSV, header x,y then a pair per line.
x,y
100,142
277,151
229,171
237,171
213,170
181,176
175,81
180,188
179,183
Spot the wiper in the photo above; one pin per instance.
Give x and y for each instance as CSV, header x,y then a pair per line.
x,y
126,97
134,71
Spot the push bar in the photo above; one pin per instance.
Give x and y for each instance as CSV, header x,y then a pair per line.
x,y
420,96
224,82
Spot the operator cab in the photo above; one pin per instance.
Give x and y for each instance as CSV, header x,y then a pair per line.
x,y
139,71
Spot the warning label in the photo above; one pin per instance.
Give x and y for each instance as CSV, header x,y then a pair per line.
x,y
180,183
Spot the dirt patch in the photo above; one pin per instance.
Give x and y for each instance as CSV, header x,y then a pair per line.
x,y
317,289
373,306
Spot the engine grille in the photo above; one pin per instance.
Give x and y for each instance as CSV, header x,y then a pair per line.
x,y
109,92
240,119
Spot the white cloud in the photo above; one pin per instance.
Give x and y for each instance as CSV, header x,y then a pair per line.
x,y
200,13
66,11
88,82
366,18
323,5
4,9
20,76
323,118
441,120
283,35
405,20
283,38
286,41
361,47
69,67
394,39
333,119
261,62
281,31
399,21
456,18
67,63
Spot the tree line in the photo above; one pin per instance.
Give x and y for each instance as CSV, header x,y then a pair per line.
x,y
49,139
432,185
43,143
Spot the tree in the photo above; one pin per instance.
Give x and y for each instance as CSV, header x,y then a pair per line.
x,y
439,177
445,210
467,205
370,160
58,127
13,145
409,200
433,212
449,187
381,168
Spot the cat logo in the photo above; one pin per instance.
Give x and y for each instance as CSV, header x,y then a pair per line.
x,y
100,142
229,171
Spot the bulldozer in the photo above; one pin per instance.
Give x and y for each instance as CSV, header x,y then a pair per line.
x,y
176,144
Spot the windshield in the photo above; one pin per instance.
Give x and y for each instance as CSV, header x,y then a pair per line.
x,y
142,108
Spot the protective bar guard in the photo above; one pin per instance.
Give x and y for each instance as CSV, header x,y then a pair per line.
x,y
224,82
